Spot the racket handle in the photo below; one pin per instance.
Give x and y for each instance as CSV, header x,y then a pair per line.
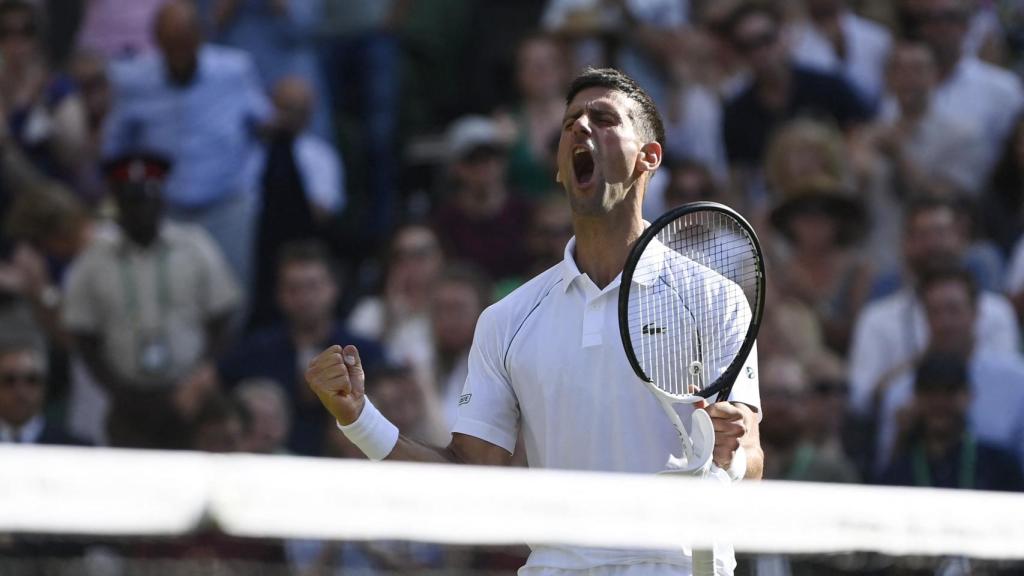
x,y
703,563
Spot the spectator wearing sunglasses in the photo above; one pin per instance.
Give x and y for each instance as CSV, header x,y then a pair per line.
x,y
23,374
780,89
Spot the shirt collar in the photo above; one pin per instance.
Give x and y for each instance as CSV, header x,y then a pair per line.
x,y
651,258
29,433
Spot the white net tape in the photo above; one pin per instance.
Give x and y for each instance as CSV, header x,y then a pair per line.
x,y
123,492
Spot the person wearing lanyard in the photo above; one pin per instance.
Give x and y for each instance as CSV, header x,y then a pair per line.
x,y
148,307
936,448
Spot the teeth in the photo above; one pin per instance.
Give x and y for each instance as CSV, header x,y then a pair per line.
x,y
580,151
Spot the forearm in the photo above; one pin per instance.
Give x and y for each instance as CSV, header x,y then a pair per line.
x,y
409,450
751,444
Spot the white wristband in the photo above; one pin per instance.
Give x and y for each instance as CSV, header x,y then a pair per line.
x,y
738,467
372,433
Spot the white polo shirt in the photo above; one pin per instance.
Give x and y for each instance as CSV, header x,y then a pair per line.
x,y
549,358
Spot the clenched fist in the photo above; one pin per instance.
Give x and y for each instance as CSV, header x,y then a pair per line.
x,y
336,377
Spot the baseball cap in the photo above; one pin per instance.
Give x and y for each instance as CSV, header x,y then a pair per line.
x,y
471,133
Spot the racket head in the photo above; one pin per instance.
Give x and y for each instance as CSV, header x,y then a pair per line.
x,y
691,300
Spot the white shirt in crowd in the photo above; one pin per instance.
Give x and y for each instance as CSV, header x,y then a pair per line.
x,y
985,96
29,432
892,331
548,360
867,47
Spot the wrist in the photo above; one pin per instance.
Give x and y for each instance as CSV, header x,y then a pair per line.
x,y
738,467
371,432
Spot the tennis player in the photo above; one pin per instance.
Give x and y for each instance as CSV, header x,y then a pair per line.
x,y
547,359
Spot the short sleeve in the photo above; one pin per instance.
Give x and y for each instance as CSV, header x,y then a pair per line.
x,y
488,407
746,387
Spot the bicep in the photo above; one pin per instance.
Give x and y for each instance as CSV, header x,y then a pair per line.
x,y
472,450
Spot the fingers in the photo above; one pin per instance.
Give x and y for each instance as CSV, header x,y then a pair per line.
x,y
327,373
727,419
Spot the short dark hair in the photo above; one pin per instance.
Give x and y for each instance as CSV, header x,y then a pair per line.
x,y
469,275
747,9
941,373
938,274
306,251
647,120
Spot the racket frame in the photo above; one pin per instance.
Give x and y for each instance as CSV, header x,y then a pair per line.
x,y
723,384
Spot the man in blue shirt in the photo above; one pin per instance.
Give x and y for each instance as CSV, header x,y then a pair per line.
x,y
203,107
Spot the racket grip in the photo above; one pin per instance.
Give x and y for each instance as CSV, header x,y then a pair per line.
x,y
703,563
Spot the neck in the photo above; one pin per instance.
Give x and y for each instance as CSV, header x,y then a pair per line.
x,y
603,242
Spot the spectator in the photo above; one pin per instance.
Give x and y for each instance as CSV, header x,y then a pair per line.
x,y
950,301
217,426
201,106
480,220
937,230
118,29
307,295
834,39
795,454
302,188
821,223
780,90
398,316
280,37
915,148
937,449
148,306
23,398
642,29
537,120
50,228
266,419
460,296
44,113
924,145
891,332
981,94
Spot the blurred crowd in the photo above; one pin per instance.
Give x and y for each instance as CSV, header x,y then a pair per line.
x,y
197,196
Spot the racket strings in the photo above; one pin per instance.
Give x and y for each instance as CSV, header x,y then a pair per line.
x,y
695,289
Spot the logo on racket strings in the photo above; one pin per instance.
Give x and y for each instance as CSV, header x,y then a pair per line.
x,y
652,328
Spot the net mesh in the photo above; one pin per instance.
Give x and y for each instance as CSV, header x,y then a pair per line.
x,y
691,299
100,511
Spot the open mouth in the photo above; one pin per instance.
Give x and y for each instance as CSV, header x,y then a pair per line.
x,y
583,166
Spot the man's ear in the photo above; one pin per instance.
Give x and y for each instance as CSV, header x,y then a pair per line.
x,y
650,157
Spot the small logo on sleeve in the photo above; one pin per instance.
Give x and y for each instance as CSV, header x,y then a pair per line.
x,y
750,372
464,399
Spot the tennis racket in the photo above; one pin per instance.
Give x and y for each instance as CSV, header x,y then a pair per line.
x,y
690,304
